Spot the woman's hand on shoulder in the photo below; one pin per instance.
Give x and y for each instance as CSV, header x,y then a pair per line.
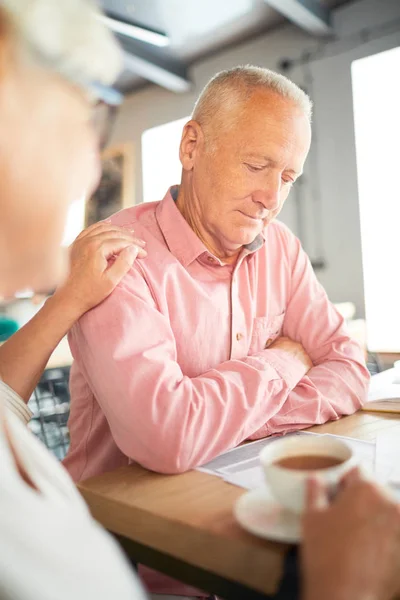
x,y
99,258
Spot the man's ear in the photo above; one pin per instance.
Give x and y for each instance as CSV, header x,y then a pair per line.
x,y
192,139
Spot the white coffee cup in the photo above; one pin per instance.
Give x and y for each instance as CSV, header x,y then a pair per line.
x,y
288,485
396,365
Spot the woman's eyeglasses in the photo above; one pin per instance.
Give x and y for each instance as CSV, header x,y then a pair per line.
x,y
103,119
105,108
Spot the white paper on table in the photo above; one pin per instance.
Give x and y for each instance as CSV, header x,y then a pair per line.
x,y
384,386
242,467
241,458
387,461
251,479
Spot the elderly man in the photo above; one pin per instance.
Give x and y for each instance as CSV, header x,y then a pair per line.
x,y
222,333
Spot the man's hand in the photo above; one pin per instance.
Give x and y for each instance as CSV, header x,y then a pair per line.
x,y
351,548
295,349
92,277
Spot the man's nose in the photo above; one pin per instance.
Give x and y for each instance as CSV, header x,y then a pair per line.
x,y
269,195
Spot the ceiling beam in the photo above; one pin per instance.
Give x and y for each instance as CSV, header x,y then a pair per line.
x,y
156,74
155,66
137,32
310,15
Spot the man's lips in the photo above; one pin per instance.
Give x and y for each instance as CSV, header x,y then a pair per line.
x,y
253,218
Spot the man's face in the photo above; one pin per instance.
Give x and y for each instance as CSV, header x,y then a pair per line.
x,y
48,159
243,179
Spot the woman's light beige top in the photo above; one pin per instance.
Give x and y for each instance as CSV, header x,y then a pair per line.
x,y
50,547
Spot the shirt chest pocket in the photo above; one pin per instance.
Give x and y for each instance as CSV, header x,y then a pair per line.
x,y
265,331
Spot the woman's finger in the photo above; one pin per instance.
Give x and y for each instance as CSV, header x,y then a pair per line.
x,y
91,229
316,495
112,238
100,236
122,264
113,246
103,227
351,478
120,234
138,242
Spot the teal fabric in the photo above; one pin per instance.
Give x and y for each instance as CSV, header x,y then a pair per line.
x,y
7,328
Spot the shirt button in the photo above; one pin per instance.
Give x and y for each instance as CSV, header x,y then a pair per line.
x,y
268,342
239,336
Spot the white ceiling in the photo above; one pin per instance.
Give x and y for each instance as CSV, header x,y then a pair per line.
x,y
195,27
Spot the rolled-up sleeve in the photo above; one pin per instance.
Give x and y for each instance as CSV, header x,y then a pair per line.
x,y
13,402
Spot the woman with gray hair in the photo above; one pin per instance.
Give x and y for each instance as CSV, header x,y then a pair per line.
x,y
56,63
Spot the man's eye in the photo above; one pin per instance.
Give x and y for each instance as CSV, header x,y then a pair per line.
x,y
287,181
254,168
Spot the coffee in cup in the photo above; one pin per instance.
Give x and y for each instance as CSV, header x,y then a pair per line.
x,y
308,462
289,462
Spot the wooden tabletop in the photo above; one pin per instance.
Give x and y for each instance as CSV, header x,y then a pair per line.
x,y
183,524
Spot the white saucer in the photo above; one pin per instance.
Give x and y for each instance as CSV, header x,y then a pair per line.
x,y
260,514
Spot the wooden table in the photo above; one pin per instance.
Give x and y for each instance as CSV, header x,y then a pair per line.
x,y
183,525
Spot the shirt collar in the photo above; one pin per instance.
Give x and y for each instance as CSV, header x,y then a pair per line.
x,y
180,238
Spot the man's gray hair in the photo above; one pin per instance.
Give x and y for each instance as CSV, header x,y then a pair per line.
x,y
67,36
234,85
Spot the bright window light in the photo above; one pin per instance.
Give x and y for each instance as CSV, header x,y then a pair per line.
x,y
376,97
75,222
160,159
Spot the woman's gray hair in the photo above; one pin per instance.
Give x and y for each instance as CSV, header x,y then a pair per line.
x,y
66,36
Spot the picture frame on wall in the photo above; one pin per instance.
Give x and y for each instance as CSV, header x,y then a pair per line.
x,y
116,188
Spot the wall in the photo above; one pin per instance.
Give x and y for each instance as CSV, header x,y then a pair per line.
x,y
323,211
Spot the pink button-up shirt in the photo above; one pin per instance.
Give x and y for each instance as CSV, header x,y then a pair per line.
x,y
174,367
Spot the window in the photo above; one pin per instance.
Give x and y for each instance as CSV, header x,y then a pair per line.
x,y
75,221
160,159
376,97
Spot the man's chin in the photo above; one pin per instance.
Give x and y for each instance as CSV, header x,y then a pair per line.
x,y
247,236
